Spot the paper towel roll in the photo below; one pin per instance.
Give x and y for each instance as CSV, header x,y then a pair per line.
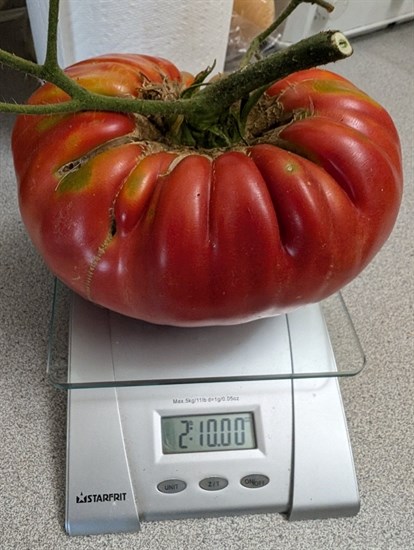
x,y
190,33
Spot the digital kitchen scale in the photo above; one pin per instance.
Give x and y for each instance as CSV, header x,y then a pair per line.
x,y
170,423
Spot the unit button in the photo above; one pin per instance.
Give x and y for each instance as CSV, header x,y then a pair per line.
x,y
171,486
213,483
254,481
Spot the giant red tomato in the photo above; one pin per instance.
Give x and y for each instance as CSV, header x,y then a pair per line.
x,y
198,237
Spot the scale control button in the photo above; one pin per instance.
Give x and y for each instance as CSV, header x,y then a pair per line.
x,y
171,486
254,481
213,483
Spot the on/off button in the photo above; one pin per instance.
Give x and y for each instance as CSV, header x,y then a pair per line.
x,y
254,481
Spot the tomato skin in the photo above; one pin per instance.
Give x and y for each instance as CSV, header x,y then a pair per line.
x,y
188,238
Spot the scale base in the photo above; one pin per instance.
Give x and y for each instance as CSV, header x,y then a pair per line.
x,y
117,474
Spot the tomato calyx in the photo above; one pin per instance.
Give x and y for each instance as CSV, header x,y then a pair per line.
x,y
224,132
245,122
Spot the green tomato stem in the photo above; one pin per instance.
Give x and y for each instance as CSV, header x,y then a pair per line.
x,y
210,108
212,100
322,48
260,38
51,48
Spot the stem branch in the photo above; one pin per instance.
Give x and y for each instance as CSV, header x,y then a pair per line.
x,y
20,64
322,48
260,38
210,115
51,61
204,106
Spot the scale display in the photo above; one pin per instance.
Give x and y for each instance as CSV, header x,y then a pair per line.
x,y
204,433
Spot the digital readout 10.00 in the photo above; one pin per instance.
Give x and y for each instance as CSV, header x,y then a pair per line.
x,y
209,432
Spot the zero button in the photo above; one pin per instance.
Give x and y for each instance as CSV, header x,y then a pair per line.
x,y
213,483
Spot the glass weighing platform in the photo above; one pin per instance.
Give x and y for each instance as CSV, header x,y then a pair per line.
x,y
169,423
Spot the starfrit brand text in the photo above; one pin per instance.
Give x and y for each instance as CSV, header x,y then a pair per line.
x,y
100,497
